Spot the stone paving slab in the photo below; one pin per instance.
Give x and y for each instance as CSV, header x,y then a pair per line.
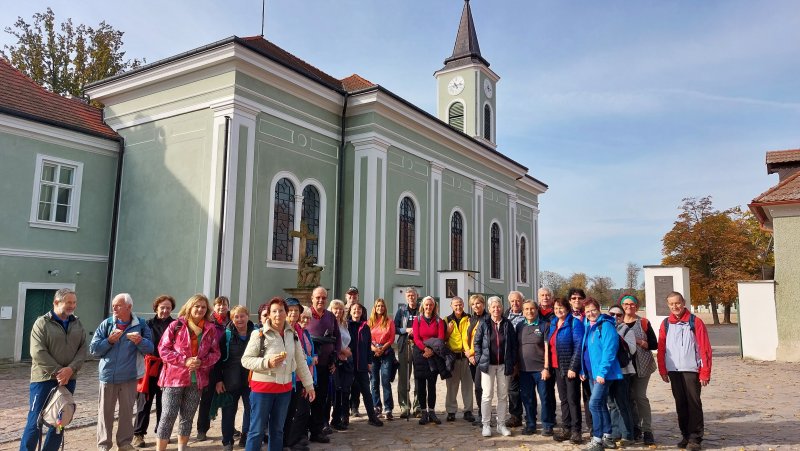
x,y
748,405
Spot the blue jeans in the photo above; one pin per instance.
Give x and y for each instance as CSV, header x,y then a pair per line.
x,y
601,420
381,368
229,415
267,410
37,397
619,407
528,380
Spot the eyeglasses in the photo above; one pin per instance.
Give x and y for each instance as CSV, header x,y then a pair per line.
x,y
576,298
593,311
618,315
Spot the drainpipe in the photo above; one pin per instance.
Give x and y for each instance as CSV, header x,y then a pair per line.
x,y
222,206
337,259
112,245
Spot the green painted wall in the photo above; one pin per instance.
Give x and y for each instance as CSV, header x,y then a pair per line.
x,y
787,269
165,192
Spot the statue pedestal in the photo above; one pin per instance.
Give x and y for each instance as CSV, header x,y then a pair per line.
x,y
302,294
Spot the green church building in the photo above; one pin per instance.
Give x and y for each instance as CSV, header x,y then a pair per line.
x,y
227,149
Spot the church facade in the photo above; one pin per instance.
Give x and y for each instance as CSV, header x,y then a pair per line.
x,y
227,149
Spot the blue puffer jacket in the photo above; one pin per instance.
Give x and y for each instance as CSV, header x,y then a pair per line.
x,y
601,342
122,361
568,342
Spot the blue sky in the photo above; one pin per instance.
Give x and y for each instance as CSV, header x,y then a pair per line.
x,y
622,107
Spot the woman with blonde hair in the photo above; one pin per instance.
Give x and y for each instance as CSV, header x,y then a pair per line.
x,y
343,377
425,326
382,329
189,349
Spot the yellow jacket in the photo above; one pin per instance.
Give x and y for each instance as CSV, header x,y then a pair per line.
x,y
457,340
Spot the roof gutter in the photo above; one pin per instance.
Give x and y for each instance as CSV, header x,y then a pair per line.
x,y
222,206
112,245
337,251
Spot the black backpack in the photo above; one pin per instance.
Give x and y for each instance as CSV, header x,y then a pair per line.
x,y
624,356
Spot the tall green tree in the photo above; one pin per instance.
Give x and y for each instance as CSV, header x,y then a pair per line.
x,y
63,57
718,247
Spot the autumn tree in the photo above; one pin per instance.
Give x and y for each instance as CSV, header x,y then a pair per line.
x,y
554,281
600,288
632,276
718,247
64,58
578,280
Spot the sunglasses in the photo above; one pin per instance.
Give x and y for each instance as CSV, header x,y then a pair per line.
x,y
618,315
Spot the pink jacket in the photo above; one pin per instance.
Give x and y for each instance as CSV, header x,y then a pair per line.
x,y
176,346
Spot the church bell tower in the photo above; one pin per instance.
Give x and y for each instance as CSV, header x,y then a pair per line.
x,y
466,85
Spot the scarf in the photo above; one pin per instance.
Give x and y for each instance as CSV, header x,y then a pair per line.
x,y
196,332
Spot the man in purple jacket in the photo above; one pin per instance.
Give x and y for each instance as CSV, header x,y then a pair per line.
x,y
325,333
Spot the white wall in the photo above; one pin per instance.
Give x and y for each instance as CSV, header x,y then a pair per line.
x,y
757,319
680,283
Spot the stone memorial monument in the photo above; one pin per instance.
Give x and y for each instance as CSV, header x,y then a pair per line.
x,y
308,273
659,281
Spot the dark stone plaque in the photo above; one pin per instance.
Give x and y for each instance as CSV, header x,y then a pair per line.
x,y
451,287
664,286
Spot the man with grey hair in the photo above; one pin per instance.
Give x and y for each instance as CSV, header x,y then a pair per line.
x,y
457,325
515,316
402,326
120,342
58,350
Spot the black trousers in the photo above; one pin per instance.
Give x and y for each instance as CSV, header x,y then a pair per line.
x,y
297,394
686,391
426,392
514,402
144,405
586,390
569,392
341,409
299,423
204,411
476,382
320,408
550,389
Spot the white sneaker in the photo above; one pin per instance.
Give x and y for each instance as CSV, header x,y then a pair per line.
x,y
503,430
487,430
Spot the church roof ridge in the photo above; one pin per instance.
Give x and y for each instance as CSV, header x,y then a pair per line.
x,y
466,49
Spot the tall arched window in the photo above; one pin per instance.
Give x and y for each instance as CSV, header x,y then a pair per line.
x,y
523,260
407,234
487,122
283,221
311,208
455,116
456,242
495,252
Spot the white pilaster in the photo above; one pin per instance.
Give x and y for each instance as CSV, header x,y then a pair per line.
x,y
479,239
513,260
436,212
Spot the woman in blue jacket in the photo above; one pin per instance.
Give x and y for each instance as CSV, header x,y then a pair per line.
x,y
565,338
599,365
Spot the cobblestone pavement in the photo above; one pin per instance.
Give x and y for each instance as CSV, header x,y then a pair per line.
x,y
748,405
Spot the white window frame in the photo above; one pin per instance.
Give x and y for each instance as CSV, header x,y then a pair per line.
x,y
502,256
323,202
463,236
417,235
75,199
521,237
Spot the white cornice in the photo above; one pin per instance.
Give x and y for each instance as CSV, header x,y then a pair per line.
x,y
783,211
390,107
361,142
56,135
489,73
31,253
532,185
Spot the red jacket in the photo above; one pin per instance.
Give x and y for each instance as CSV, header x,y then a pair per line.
x,y
176,347
422,330
701,340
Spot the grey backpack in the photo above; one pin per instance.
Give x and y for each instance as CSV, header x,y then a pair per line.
x,y
58,411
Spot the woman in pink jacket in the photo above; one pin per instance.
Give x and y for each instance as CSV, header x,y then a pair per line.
x,y
189,349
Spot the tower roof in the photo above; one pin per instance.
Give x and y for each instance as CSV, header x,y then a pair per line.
x,y
466,49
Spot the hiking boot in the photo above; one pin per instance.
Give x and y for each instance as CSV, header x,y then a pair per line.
x,y
423,418
693,446
201,436
228,447
468,416
648,439
503,430
326,430
594,445
608,442
547,432
354,412
513,422
562,436
237,433
389,416
138,441
682,444
433,418
404,414
625,442
320,438
451,417
529,431
487,431
576,438
417,414
339,426
375,422
243,442
378,411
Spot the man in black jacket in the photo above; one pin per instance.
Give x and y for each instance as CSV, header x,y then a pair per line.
x,y
402,323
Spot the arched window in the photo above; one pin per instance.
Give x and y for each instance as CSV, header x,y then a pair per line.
x,y
310,215
495,252
523,260
456,242
487,122
283,221
455,116
407,234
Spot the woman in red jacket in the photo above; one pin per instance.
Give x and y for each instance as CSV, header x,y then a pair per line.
x,y
426,325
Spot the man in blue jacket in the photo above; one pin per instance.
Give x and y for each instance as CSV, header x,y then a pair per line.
x,y
120,342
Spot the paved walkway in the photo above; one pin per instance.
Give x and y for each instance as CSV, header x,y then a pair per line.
x,y
748,405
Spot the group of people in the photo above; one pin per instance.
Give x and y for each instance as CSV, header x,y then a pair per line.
x,y
302,372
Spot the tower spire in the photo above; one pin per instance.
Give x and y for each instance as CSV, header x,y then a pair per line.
x,y
466,49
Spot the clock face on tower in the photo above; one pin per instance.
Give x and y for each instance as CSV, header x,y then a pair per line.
x,y
456,85
487,88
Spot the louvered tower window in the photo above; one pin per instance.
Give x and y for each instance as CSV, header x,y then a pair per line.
x,y
455,116
487,122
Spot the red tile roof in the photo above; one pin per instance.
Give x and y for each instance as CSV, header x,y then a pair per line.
x,y
356,82
786,191
783,156
22,97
